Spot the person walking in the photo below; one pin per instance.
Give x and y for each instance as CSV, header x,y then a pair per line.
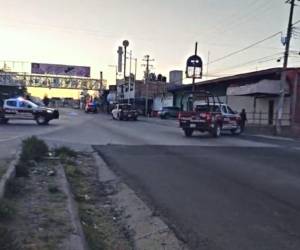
x,y
243,119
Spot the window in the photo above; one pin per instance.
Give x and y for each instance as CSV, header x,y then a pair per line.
x,y
11,103
22,104
224,109
230,111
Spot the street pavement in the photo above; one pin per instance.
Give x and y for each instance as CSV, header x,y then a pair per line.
x,y
233,192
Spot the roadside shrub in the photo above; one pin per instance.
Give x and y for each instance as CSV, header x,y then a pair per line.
x,y
33,149
22,169
65,152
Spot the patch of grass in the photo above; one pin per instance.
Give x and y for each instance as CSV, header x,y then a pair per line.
x,y
65,151
7,210
8,240
72,171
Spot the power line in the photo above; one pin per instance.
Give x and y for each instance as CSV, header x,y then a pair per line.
x,y
254,61
245,48
250,46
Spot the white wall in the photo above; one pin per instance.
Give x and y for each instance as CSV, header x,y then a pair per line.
x,y
162,101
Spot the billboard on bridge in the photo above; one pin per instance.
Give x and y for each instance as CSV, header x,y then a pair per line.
x,y
56,69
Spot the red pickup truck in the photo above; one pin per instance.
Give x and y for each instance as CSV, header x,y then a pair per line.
x,y
209,117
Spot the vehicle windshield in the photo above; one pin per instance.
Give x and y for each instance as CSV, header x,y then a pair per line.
x,y
125,107
32,104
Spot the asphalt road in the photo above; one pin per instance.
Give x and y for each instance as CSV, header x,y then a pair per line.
x,y
226,193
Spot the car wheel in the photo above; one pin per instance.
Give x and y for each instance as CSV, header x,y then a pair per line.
x,y
236,131
41,120
188,132
216,132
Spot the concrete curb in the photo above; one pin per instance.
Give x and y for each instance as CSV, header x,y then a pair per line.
x,y
77,239
9,174
149,231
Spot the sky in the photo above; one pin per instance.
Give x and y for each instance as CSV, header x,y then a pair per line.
x,y
88,33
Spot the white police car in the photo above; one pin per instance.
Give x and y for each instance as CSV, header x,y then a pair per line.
x,y
22,109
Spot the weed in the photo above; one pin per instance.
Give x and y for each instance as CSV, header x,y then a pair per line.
x,y
65,151
72,171
53,189
33,149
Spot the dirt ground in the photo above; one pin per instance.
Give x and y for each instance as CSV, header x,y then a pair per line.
x,y
35,213
36,216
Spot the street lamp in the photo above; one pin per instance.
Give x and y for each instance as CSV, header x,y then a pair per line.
x,y
125,44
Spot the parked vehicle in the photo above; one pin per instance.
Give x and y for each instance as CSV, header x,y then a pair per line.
x,y
124,112
21,109
91,107
210,116
168,112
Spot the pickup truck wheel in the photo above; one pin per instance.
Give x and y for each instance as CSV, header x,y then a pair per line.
x,y
41,120
188,132
236,131
216,132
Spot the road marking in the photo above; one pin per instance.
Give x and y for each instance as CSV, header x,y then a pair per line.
x,y
9,138
274,137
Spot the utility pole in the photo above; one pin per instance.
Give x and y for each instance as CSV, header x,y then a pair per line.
x,y
208,57
147,60
135,72
101,80
283,72
129,82
194,72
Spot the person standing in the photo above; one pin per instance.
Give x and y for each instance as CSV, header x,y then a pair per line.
x,y
46,100
243,119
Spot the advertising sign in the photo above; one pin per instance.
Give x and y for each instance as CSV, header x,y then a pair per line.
x,y
55,69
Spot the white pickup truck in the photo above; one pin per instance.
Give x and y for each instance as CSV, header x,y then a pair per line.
x,y
124,112
22,109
